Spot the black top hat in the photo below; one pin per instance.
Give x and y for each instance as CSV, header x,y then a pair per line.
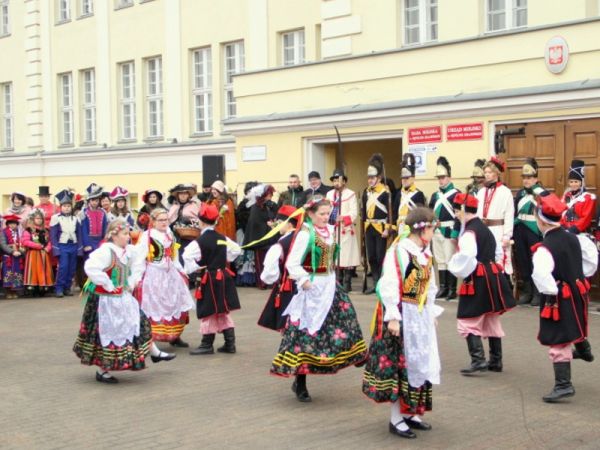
x,y
338,173
44,190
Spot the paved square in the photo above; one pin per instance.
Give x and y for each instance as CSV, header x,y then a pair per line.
x,y
48,400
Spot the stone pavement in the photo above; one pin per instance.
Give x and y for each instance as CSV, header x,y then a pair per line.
x,y
48,400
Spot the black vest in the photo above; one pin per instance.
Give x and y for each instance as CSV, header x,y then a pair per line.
x,y
214,255
566,252
486,244
286,243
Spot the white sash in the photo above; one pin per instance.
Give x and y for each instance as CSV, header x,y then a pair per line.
x,y
443,199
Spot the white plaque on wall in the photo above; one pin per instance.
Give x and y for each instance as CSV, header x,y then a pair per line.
x,y
254,153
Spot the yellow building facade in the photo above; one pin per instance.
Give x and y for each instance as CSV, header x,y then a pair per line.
x,y
139,92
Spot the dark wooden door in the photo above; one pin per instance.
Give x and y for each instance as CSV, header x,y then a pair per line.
x,y
582,141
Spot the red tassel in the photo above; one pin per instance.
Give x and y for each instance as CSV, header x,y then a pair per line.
x,y
546,312
555,313
287,285
219,275
586,283
463,289
581,287
566,291
471,289
198,293
277,301
480,270
204,278
494,269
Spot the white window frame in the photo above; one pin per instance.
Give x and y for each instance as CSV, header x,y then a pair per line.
x,y
123,4
510,11
63,11
154,98
127,101
238,59
296,49
88,105
65,89
7,130
427,28
4,18
202,90
86,8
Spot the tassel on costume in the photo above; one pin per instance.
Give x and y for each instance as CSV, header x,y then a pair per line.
x,y
581,287
494,269
566,291
277,301
198,293
480,270
555,313
219,276
471,290
463,289
287,285
546,312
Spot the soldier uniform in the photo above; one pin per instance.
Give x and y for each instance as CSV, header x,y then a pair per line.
x,y
477,177
581,205
407,198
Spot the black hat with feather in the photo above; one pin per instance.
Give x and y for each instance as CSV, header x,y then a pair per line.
x,y
443,168
409,165
530,168
375,168
478,168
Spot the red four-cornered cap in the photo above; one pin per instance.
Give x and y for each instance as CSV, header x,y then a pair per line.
x,y
286,211
468,200
551,207
209,212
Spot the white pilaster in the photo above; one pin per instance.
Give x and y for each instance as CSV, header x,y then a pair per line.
x,y
172,72
257,47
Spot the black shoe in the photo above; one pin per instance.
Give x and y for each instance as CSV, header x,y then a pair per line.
x,y
102,378
451,282
59,295
206,346
229,346
478,362
583,350
68,293
495,362
562,383
443,288
409,434
163,356
299,388
179,343
417,425
370,291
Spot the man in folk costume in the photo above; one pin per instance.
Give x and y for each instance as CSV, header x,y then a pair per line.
x,y
561,263
497,210
444,239
344,213
46,205
94,221
216,294
581,205
485,293
408,197
376,216
526,231
477,178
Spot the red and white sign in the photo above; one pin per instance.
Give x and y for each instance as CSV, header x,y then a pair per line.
x,y
464,131
556,54
424,135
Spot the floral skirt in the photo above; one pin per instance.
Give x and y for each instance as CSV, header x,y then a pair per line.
x,y
12,271
129,356
338,344
386,378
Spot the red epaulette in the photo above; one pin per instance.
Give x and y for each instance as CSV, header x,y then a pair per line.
x,y
535,247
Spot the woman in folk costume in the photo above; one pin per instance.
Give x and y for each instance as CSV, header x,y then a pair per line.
x,y
343,217
262,215
275,273
18,207
445,236
216,294
581,205
526,232
485,293
323,335
165,295
408,197
497,210
561,264
93,219
39,277
477,177
224,204
183,215
13,260
404,361
245,274
152,199
120,210
114,333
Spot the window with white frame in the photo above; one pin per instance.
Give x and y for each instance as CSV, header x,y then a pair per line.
x,y
65,83
154,99
88,105
420,21
6,110
292,44
127,100
506,14
4,18
64,10
123,3
86,8
234,63
202,90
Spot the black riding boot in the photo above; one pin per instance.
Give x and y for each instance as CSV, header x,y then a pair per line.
x,y
348,280
478,362
206,345
562,383
535,300
299,387
526,293
229,346
443,290
583,350
495,362
451,283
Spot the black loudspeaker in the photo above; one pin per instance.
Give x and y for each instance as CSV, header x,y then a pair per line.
x,y
213,169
